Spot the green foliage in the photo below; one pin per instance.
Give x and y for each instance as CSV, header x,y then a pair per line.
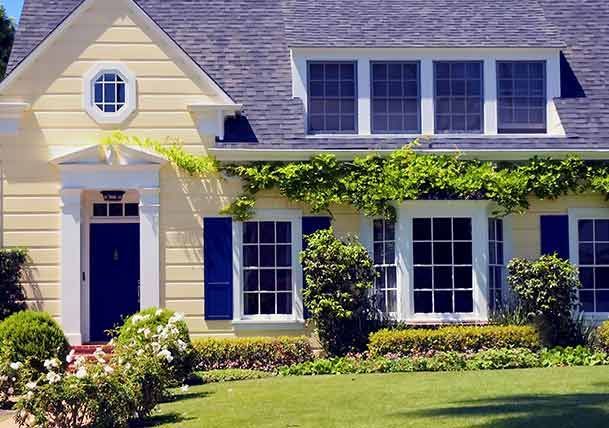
x,y
142,328
573,356
31,338
494,359
252,353
229,375
511,313
547,288
602,336
97,399
373,183
453,338
12,262
339,276
7,36
172,149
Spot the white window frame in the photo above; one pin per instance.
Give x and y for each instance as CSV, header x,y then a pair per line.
x,y
576,214
106,118
295,320
478,211
367,239
426,57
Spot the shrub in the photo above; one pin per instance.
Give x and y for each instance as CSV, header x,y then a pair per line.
x,y
547,288
154,354
95,395
602,336
10,380
573,356
339,275
453,338
229,375
506,358
143,328
254,353
12,297
32,337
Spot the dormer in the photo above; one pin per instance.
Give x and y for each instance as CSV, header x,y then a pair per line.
x,y
408,92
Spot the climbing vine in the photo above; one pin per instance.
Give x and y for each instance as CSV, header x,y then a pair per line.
x,y
374,183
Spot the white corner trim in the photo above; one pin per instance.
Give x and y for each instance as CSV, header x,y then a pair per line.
x,y
145,20
128,77
297,317
576,214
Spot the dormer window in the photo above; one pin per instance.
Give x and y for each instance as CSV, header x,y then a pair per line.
x,y
109,93
521,96
458,97
395,97
332,97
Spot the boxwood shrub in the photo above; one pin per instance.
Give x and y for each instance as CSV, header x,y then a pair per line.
x,y
31,337
602,336
453,338
257,353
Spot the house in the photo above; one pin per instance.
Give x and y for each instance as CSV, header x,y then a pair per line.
x,y
113,229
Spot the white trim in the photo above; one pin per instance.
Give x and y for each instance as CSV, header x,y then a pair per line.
x,y
426,56
99,168
241,154
211,117
88,100
297,317
576,214
478,211
145,20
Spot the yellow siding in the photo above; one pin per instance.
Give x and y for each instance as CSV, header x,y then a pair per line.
x,y
54,88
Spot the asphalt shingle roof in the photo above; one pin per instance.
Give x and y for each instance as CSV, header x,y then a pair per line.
x,y
244,45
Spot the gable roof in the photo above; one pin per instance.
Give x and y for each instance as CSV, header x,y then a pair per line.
x,y
244,45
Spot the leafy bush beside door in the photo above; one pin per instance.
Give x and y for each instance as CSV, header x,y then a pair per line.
x,y
12,297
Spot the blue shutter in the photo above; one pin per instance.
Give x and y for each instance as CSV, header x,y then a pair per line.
x,y
311,225
555,235
218,268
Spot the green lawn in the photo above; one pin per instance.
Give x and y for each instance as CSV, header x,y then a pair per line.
x,y
553,398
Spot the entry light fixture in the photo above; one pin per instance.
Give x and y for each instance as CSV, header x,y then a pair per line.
x,y
113,195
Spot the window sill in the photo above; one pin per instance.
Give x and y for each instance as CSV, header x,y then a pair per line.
x,y
268,324
446,318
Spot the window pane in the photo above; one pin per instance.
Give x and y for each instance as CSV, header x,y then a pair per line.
x,y
442,229
284,303
132,210
332,97
423,301
284,255
421,229
267,255
284,279
601,230
267,231
423,277
462,229
464,301
458,96
100,210
284,231
267,279
250,232
115,210
250,303
521,96
250,256
443,301
250,280
463,253
421,253
267,303
586,277
395,90
442,253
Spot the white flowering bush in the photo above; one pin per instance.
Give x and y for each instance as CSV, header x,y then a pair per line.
x,y
93,394
165,333
10,379
108,391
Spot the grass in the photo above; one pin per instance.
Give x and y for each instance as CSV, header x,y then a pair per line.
x,y
553,398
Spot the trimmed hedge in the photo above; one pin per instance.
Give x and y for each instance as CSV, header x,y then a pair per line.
x,y
255,353
454,338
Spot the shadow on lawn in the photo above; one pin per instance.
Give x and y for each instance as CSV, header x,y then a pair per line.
x,y
167,418
540,411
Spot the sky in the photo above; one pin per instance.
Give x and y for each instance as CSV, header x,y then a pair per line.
x,y
13,8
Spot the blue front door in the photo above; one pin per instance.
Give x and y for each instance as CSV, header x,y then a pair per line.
x,y
114,276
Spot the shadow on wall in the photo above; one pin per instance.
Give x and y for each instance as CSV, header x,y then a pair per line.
x,y
29,277
540,411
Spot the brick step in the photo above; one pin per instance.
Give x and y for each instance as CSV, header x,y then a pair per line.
x,y
90,349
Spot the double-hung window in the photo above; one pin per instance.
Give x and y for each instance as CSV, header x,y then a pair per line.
x,y
442,262
458,97
386,288
395,97
521,96
496,265
332,97
593,261
267,268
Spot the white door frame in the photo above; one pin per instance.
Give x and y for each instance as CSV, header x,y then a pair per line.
x,y
105,168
